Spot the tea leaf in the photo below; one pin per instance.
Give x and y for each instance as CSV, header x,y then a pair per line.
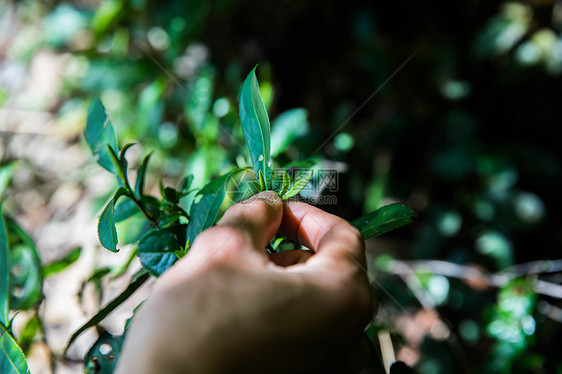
x,y
106,225
255,126
157,248
136,282
62,263
299,185
286,183
286,127
204,212
98,361
99,135
141,175
4,271
26,282
384,219
12,359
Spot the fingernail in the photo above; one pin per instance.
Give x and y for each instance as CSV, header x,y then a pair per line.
x,y
270,196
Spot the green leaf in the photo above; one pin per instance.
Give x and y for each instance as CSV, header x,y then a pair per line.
x,y
384,219
255,126
286,127
99,134
157,248
6,173
136,282
25,269
62,263
103,356
29,332
400,367
4,267
207,203
141,175
12,359
286,183
299,185
184,184
25,278
106,224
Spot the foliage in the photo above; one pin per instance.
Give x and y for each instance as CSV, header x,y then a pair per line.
x,y
452,110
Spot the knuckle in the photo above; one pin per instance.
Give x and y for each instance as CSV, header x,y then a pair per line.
x,y
225,242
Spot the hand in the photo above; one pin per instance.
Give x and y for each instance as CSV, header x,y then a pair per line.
x,y
228,307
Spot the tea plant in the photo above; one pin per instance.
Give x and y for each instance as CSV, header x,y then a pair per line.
x,y
172,227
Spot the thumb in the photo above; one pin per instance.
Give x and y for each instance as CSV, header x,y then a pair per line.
x,y
258,217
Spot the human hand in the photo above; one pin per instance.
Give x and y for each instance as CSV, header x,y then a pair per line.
x,y
228,307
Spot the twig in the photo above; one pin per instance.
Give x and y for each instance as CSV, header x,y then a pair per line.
x,y
468,273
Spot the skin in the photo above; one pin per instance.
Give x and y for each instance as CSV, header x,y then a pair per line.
x,y
228,307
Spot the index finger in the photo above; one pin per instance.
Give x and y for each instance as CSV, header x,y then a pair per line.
x,y
330,236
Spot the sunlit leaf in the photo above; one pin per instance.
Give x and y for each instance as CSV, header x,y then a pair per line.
x,y
255,126
29,332
286,127
384,219
299,185
62,263
99,135
106,225
12,359
136,282
6,173
4,267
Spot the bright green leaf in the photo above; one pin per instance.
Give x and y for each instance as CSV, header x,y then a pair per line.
x,y
29,332
255,126
4,267
106,224
384,219
99,135
6,173
286,127
299,185
62,263
12,359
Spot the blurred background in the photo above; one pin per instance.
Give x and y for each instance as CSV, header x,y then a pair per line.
x,y
449,107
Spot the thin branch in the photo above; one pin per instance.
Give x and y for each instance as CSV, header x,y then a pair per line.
x,y
497,280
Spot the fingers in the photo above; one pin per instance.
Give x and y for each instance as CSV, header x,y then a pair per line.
x,y
331,237
288,258
258,217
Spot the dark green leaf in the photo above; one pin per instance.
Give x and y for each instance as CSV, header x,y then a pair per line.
x,y
25,277
12,359
141,175
61,264
299,185
384,219
400,367
157,248
255,126
25,268
124,209
106,224
4,267
207,203
102,358
184,184
110,307
99,134
286,127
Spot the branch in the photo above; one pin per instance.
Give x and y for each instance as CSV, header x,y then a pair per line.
x,y
497,280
